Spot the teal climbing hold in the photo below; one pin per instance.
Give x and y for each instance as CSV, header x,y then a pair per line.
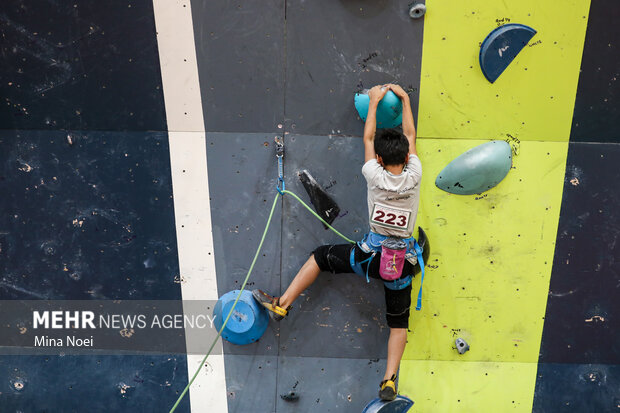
x,y
477,170
400,404
501,46
389,110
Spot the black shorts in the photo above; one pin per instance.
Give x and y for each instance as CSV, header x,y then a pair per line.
x,y
337,259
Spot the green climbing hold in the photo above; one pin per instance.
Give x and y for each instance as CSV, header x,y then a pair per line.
x,y
477,170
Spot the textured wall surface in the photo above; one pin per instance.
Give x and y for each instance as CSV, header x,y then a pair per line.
x,y
85,193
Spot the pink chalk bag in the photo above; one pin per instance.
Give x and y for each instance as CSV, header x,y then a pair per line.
x,y
393,251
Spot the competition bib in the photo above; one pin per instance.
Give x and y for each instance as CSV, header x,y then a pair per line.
x,y
390,217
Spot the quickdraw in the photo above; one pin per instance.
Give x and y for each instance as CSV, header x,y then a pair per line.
x,y
280,187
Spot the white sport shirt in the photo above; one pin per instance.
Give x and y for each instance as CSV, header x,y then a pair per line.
x,y
393,199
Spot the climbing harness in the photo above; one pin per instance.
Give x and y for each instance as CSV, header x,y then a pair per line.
x,y
280,187
373,243
357,266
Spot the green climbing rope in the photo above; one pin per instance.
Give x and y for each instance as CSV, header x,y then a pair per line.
x,y
247,277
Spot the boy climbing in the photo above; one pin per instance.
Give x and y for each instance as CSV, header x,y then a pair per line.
x,y
393,173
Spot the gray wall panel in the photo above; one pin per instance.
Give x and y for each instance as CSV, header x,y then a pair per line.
x,y
328,385
335,48
242,180
240,52
251,383
342,308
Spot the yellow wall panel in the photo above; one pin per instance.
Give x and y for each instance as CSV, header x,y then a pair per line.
x,y
491,256
476,387
532,100
487,282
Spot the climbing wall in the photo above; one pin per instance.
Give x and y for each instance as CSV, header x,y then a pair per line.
x,y
138,162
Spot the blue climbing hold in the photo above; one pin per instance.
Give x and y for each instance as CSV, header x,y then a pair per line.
x,y
248,321
400,404
477,170
389,110
500,48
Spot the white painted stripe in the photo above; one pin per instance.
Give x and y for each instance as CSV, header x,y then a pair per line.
x,y
190,185
192,210
179,68
207,395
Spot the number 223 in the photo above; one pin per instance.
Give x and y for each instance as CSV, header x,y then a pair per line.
x,y
390,218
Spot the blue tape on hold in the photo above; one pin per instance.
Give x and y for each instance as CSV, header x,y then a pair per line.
x,y
248,321
500,48
389,110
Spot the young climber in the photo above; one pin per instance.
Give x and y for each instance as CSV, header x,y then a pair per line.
x,y
393,172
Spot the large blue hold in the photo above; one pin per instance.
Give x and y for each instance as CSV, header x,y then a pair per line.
x,y
477,170
500,48
389,110
400,404
248,321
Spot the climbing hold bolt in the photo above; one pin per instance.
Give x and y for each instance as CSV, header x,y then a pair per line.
x,y
18,385
417,10
290,396
461,345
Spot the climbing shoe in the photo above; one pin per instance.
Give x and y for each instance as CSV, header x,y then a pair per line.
x,y
387,389
276,313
